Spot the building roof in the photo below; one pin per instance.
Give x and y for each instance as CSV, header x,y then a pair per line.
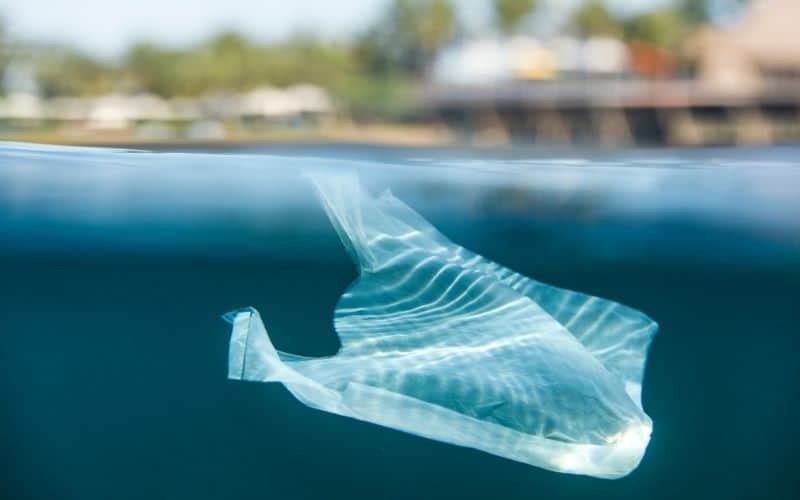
x,y
768,33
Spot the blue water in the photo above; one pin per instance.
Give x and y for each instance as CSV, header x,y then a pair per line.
x,y
115,266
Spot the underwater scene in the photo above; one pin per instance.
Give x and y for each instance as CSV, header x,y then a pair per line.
x,y
119,370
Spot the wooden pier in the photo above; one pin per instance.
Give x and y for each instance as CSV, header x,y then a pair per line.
x,y
621,112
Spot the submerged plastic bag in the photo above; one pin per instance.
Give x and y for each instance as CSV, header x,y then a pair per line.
x,y
443,343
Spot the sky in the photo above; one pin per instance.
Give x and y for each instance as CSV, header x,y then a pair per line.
x,y
106,27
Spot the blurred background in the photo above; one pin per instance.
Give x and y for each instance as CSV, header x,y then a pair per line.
x,y
644,151
486,72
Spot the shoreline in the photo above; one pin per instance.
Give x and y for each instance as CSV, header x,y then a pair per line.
x,y
378,134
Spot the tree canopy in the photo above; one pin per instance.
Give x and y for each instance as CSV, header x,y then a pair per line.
x,y
509,14
408,35
592,18
378,70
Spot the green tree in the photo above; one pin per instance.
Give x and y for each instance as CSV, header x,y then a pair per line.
x,y
510,13
407,36
592,18
664,27
667,26
153,68
231,62
65,72
695,11
3,48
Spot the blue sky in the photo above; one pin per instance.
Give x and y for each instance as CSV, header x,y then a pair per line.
x,y
106,27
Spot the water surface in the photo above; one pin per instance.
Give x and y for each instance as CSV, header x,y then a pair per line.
x,y
115,267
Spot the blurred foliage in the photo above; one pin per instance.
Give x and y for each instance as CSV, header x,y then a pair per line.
x,y
375,75
668,26
664,27
407,37
592,18
366,96
56,70
695,11
509,14
62,71
231,62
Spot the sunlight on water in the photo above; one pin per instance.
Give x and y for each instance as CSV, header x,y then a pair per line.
x,y
105,188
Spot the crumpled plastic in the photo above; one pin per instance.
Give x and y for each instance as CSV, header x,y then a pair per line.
x,y
442,343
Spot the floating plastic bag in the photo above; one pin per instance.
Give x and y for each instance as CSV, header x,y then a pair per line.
x,y
443,343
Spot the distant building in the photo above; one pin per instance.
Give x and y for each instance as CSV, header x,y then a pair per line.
x,y
483,61
604,55
763,44
267,102
493,61
20,78
650,60
310,99
270,103
118,111
144,111
21,106
21,90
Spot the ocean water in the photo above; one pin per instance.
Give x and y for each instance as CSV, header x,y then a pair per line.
x,y
115,266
